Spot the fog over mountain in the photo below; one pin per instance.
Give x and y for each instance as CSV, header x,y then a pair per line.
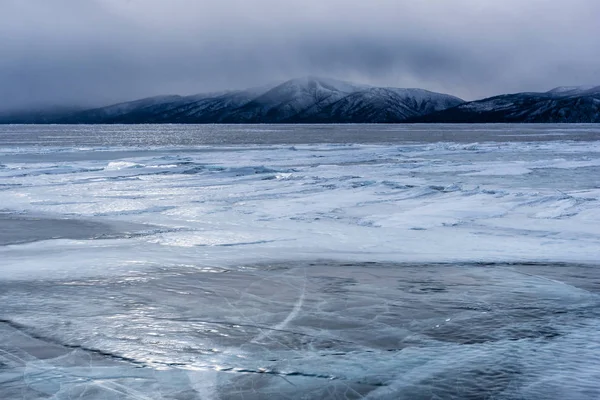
x,y
301,100
92,53
327,101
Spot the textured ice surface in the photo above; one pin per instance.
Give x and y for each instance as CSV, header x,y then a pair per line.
x,y
307,330
182,262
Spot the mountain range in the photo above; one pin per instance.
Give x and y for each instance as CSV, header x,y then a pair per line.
x,y
318,100
580,104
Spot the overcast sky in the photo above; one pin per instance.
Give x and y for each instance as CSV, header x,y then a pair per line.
x,y
95,52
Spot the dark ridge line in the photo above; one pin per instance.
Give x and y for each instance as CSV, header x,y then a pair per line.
x,y
27,331
388,264
139,364
283,374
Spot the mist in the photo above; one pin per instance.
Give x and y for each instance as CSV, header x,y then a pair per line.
x,y
97,52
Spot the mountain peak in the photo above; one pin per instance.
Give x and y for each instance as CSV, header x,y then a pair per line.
x,y
316,82
569,90
563,104
305,99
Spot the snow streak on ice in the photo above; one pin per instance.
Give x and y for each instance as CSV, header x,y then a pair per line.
x,y
156,265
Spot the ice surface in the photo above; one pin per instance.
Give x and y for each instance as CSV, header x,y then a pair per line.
x,y
307,330
400,262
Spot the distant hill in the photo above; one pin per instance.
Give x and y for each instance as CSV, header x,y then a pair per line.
x,y
381,105
303,100
37,116
577,104
318,100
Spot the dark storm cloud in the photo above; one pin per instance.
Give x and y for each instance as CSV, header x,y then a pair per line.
x,y
89,52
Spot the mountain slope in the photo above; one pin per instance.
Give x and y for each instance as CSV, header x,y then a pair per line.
x,y
301,100
381,105
117,112
562,104
199,108
298,96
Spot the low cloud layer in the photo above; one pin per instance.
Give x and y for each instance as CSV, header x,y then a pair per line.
x,y
95,52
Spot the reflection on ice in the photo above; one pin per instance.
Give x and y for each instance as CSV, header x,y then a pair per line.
x,y
178,262
308,330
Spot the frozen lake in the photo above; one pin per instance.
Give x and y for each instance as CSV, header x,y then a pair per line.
x,y
251,262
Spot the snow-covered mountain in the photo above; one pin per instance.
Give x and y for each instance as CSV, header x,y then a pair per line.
x,y
572,90
378,105
303,100
304,96
577,104
166,109
318,100
130,110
